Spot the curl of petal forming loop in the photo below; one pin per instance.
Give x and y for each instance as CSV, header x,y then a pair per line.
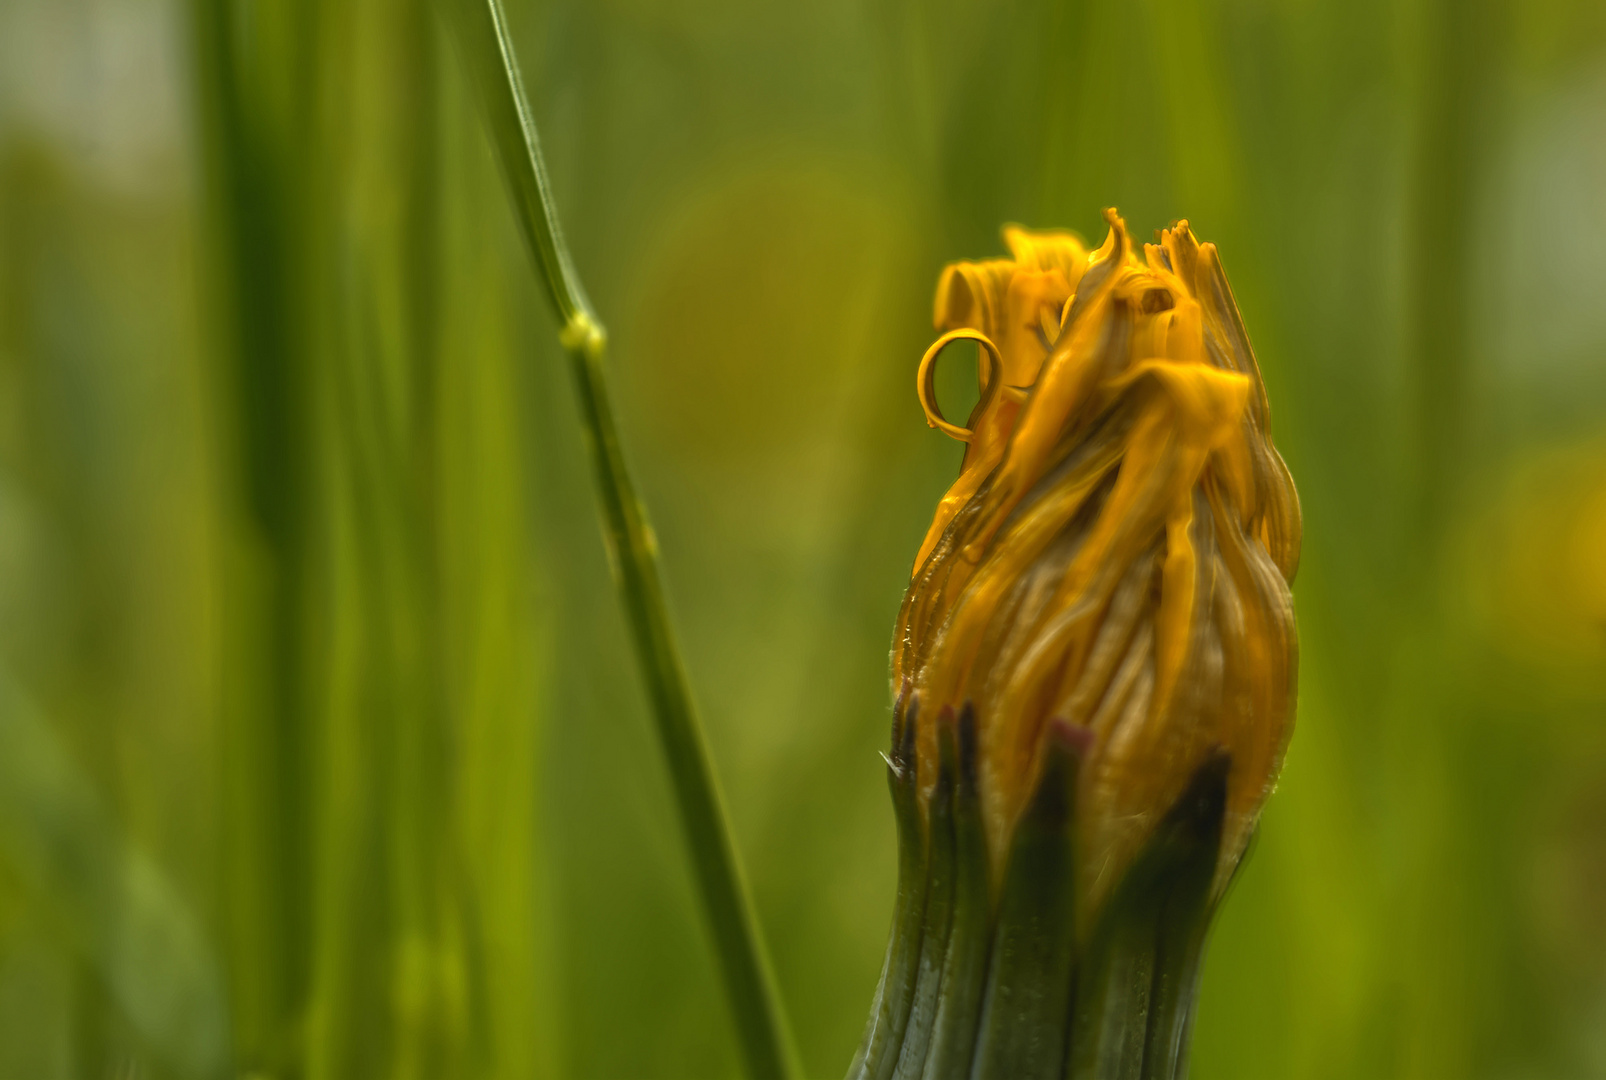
x,y
1096,667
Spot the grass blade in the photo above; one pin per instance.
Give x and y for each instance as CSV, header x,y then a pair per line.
x,y
755,1003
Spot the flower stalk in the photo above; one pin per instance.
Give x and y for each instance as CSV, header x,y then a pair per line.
x,y
760,1021
1096,667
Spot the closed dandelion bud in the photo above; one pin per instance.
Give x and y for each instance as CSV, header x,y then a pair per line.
x,y
1096,663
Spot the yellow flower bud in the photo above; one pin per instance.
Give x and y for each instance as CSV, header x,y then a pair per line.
x,y
1096,667
1117,550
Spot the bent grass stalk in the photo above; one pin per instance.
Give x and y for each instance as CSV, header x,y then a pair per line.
x,y
756,1009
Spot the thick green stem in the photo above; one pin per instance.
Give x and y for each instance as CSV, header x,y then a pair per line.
x,y
755,1003
1006,988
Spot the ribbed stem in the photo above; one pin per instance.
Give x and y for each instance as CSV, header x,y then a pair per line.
x,y
1006,987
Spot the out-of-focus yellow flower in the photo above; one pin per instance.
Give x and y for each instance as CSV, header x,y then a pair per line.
x,y
1114,559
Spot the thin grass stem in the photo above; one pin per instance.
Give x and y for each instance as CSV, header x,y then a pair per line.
x,y
755,1002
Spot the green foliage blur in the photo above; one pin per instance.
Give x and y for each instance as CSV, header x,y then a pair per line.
x,y
322,752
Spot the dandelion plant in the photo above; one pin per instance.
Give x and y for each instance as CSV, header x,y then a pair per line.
x,y
1095,661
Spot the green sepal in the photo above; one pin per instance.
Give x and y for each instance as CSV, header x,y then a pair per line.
x,y
938,917
953,1037
879,1051
1136,986
1027,1007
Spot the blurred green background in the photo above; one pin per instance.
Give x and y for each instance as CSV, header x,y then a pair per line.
x,y
322,752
